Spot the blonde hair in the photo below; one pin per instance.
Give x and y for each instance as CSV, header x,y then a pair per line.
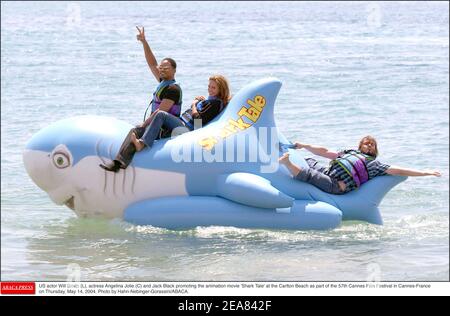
x,y
372,139
224,88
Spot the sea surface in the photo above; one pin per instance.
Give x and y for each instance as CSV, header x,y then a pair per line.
x,y
348,70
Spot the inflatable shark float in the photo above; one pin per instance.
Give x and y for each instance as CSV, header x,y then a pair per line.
x,y
224,174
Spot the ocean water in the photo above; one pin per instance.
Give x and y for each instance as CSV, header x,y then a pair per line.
x,y
348,69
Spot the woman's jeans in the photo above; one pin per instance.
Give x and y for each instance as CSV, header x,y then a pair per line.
x,y
161,119
315,175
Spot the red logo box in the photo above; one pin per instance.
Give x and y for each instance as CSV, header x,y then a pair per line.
x,y
18,288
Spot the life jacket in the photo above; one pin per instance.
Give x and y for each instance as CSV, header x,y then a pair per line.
x,y
354,163
156,102
187,115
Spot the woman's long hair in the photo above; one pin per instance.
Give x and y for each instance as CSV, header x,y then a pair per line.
x,y
224,88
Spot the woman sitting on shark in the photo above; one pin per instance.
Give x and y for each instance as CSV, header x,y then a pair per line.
x,y
202,111
166,108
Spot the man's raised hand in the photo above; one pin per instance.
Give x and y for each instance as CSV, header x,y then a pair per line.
x,y
141,35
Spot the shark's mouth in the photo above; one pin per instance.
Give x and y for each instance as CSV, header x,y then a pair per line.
x,y
70,203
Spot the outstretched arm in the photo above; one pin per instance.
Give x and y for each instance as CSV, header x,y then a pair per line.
x,y
317,150
151,60
411,172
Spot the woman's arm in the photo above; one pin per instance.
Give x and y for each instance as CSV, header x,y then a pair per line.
x,y
210,110
411,172
317,150
194,108
194,105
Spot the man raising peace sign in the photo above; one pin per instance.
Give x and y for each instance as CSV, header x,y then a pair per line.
x,y
167,98
168,93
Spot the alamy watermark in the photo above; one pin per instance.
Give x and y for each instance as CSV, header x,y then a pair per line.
x,y
255,145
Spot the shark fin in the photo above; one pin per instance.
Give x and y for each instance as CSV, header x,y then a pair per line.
x,y
252,190
252,106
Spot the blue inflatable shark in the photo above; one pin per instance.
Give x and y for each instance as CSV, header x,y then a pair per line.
x,y
224,174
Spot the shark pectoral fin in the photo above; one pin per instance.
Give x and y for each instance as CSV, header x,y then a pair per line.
x,y
362,204
377,188
252,190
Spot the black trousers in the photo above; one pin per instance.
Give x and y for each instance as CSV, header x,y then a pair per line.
x,y
127,149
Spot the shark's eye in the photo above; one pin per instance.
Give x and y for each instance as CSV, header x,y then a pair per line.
x,y
61,160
